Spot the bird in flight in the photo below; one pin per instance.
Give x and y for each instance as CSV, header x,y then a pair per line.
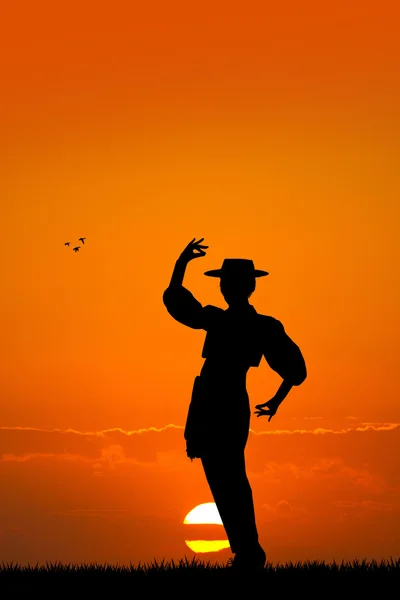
x,y
76,248
82,239
67,243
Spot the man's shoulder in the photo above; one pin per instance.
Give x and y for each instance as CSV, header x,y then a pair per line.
x,y
269,323
214,310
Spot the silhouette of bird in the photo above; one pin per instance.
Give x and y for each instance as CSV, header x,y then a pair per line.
x,y
82,239
76,248
67,243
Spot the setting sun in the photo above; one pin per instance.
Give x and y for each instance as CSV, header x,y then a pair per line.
x,y
203,514
203,546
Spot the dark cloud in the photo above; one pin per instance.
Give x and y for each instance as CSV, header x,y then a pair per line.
x,y
328,489
318,452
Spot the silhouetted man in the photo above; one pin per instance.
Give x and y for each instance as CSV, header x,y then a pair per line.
x,y
218,420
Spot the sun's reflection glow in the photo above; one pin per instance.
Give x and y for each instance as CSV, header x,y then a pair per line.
x,y
199,546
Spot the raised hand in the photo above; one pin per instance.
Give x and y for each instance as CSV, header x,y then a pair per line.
x,y
193,250
272,406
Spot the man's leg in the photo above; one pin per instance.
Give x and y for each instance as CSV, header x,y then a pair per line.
x,y
226,476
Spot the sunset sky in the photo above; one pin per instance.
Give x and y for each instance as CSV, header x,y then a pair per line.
x,y
270,129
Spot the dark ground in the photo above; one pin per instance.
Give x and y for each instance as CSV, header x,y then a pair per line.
x,y
196,579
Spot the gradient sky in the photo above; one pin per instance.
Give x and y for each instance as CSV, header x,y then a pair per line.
x,y
273,134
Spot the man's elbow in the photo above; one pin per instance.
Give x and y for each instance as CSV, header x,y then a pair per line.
x,y
169,298
299,377
170,304
165,296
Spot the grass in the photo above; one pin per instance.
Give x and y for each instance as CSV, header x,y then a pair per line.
x,y
194,576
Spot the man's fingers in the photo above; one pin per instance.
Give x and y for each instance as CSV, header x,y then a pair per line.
x,y
260,413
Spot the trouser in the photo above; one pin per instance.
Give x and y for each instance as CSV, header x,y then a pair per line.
x,y
226,475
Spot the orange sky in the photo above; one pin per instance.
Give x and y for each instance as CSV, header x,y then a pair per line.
x,y
275,136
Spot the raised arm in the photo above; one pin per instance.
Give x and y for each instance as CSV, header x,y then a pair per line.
x,y
180,303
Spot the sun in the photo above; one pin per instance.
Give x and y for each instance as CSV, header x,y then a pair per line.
x,y
206,546
205,514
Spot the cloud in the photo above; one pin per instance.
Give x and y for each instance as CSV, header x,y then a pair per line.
x,y
326,470
357,460
355,453
321,431
110,445
283,510
357,464
331,488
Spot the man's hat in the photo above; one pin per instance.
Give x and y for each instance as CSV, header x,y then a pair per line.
x,y
236,267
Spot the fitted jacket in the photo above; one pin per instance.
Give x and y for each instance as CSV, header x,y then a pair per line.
x,y
238,336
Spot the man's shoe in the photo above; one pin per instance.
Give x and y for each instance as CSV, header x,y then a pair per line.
x,y
248,561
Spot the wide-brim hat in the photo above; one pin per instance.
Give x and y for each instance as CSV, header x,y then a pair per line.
x,y
236,267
